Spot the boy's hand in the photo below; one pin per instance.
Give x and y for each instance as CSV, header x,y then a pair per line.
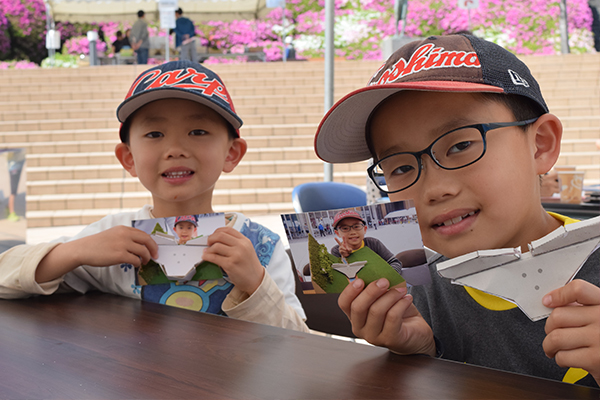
x,y
234,252
573,327
117,245
345,250
386,317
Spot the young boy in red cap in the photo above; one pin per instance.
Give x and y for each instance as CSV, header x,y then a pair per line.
x,y
459,125
179,132
185,227
351,229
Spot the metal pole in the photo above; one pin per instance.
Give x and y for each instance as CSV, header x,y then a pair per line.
x,y
403,13
283,34
167,55
469,19
564,28
49,26
329,56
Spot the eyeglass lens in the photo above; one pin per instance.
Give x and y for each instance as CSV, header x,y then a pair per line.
x,y
346,228
453,150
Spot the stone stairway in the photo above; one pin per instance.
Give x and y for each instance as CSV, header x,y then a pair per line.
x,y
65,119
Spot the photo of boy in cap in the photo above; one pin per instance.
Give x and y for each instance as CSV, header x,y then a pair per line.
x,y
351,229
179,132
459,125
185,227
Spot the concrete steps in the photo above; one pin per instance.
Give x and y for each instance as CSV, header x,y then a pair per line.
x,y
66,122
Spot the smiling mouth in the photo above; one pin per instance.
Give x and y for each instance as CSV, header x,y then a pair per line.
x,y
456,220
177,174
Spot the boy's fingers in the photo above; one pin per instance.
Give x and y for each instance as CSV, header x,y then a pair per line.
x,y
338,241
150,245
577,358
225,235
571,317
396,315
576,291
361,307
564,340
385,316
349,294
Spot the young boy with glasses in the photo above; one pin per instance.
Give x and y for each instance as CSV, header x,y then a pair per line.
x,y
459,125
351,229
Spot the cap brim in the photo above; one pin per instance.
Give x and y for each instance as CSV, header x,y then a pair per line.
x,y
134,103
340,136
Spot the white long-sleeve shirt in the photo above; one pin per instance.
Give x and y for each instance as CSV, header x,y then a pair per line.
x,y
273,303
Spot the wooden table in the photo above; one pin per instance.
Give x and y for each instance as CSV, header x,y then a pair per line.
x,y
100,346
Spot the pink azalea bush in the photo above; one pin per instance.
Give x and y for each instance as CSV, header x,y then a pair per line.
x,y
81,45
529,27
13,64
524,27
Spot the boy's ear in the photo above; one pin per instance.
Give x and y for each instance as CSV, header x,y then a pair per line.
x,y
236,152
548,133
123,153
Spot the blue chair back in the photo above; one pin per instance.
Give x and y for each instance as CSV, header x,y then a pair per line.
x,y
318,196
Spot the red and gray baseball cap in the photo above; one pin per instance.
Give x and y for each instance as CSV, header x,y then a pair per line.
x,y
346,214
187,218
179,80
453,63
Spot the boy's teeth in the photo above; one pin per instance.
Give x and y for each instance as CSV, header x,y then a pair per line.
x,y
177,174
457,219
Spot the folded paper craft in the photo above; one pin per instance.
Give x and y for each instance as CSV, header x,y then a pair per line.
x,y
349,270
178,262
525,278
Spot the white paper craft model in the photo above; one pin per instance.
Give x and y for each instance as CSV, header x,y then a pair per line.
x,y
350,270
179,262
525,278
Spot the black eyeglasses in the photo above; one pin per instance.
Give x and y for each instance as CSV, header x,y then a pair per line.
x,y
456,149
347,228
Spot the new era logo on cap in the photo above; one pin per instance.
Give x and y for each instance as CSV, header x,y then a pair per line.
x,y
182,80
516,78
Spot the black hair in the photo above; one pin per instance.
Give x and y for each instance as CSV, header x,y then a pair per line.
x,y
179,11
522,108
141,13
124,131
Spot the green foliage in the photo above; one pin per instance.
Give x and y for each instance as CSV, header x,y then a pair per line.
x,y
320,263
375,268
60,61
152,274
26,46
157,228
207,271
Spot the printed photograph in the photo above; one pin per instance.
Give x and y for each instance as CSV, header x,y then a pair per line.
x,y
332,248
181,241
13,184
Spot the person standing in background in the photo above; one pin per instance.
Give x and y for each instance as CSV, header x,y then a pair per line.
x,y
184,37
595,8
140,39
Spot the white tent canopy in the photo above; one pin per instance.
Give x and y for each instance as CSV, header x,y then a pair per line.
x,y
126,10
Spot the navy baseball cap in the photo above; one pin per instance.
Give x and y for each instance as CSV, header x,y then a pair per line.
x,y
179,80
453,63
